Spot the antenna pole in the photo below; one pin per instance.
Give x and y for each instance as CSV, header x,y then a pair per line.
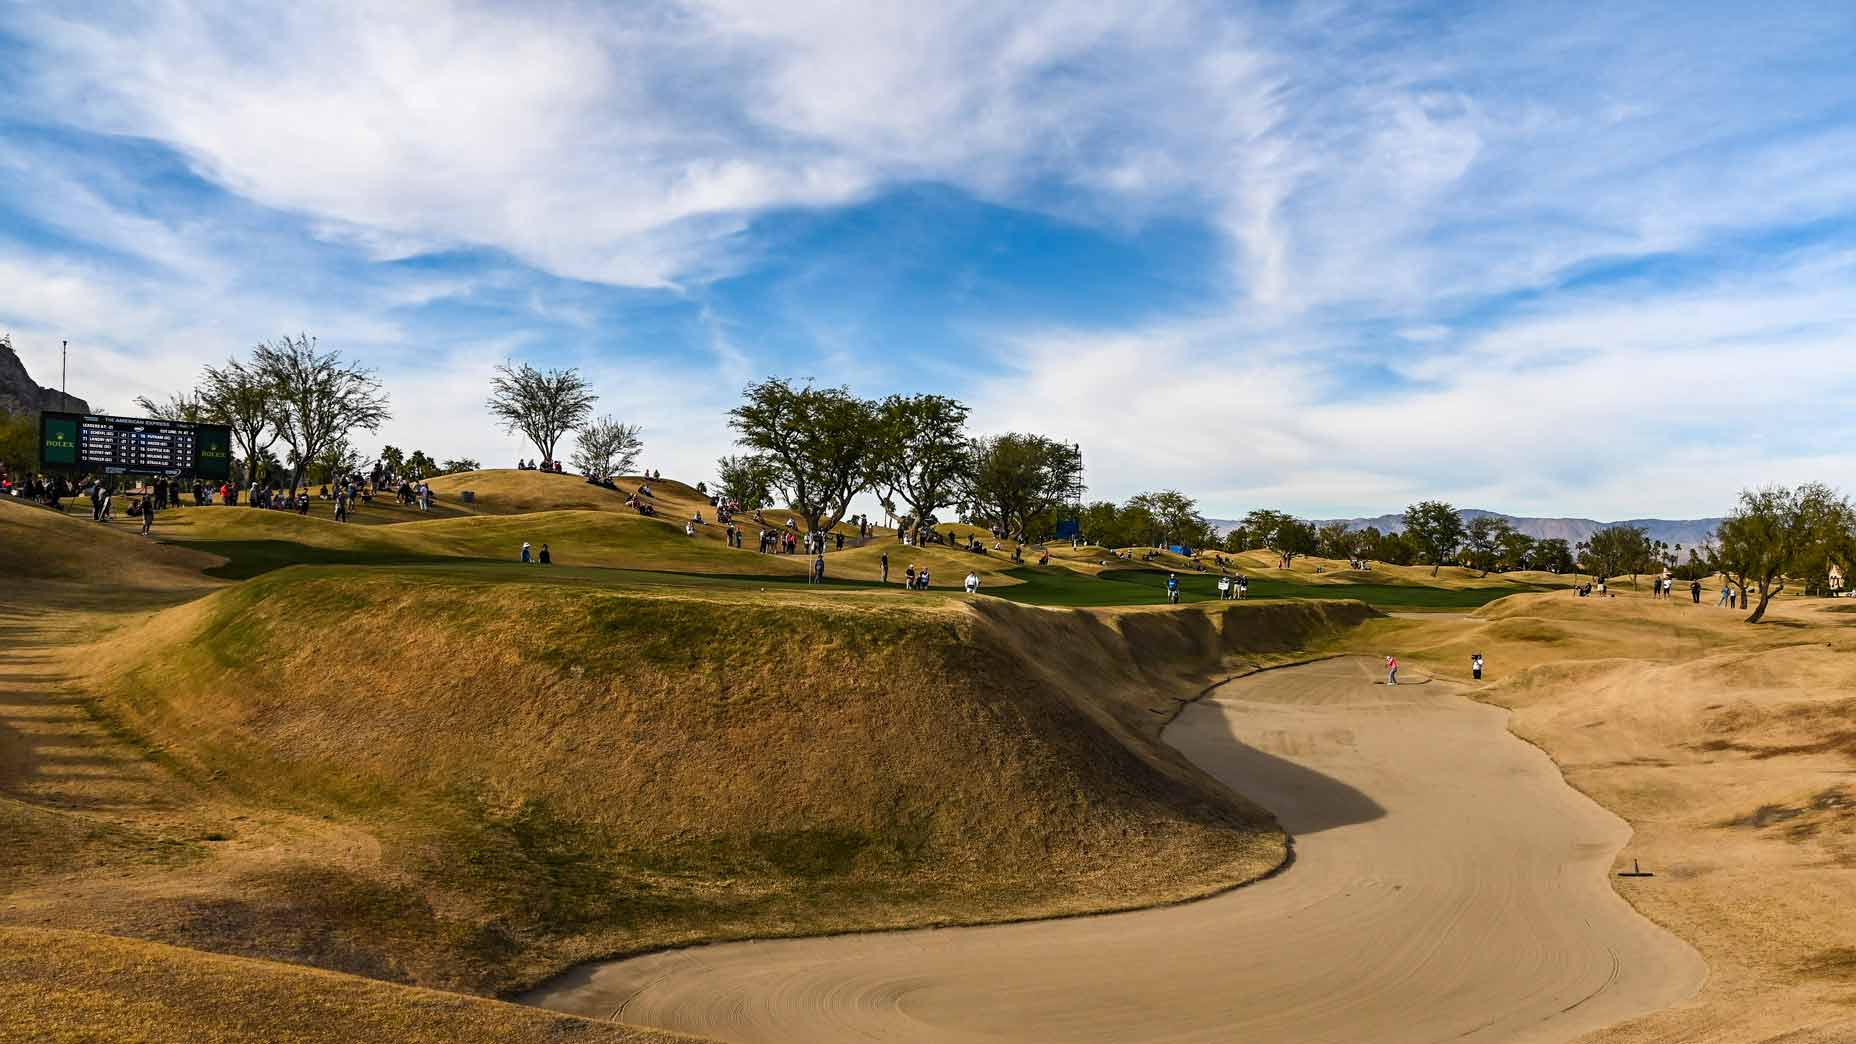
x,y
64,376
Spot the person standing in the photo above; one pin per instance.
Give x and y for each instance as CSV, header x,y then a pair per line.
x,y
1694,590
1172,588
1475,665
148,514
883,560
909,577
973,583
1391,670
818,569
1224,588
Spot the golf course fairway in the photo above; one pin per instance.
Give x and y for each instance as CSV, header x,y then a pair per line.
x,y
1447,886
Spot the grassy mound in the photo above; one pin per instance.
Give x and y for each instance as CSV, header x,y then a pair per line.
x,y
556,771
503,491
45,551
74,986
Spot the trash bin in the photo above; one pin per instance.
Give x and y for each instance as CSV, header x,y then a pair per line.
x,y
468,497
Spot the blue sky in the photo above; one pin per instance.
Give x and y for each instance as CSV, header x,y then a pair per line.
x,y
1323,257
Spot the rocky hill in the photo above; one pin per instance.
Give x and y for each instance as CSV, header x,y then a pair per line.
x,y
19,393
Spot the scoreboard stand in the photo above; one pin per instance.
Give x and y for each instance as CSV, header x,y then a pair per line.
x,y
91,444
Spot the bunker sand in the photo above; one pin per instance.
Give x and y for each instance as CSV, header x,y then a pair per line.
x,y
1447,885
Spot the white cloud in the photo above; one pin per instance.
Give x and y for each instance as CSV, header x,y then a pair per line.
x,y
1621,409
1363,170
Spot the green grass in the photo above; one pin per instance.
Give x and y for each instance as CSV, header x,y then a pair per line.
x,y
1059,587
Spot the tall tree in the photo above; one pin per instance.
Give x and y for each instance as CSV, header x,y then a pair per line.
x,y
1514,550
19,443
747,480
818,444
1619,549
542,406
1099,523
239,396
1283,534
923,457
1553,555
180,406
460,465
420,466
1435,529
606,449
338,459
1019,477
1482,540
1176,517
1776,533
1337,540
316,397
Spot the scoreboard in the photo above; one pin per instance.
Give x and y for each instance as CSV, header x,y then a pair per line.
x,y
95,445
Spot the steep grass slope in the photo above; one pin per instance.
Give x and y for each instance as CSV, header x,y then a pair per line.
x,y
553,771
59,555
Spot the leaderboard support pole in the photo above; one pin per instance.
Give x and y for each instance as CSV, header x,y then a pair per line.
x,y
64,374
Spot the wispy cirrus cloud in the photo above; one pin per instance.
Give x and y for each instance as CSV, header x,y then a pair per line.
x,y
1466,251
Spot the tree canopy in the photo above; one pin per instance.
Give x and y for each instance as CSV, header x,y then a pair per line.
x,y
316,397
747,480
1775,534
1283,534
544,407
1020,479
239,397
1435,529
923,457
606,449
817,443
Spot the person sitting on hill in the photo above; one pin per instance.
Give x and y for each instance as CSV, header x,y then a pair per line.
x,y
526,555
1044,559
921,579
908,582
644,490
646,509
546,558
689,529
697,518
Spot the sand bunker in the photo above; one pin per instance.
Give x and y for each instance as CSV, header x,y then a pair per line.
x,y
1448,886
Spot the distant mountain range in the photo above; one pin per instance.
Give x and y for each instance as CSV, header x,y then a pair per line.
x,y
1687,531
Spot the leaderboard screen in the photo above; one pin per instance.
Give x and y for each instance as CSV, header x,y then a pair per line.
x,y
95,445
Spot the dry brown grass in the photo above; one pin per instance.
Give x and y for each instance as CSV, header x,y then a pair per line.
x,y
435,780
555,773
1729,748
59,987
